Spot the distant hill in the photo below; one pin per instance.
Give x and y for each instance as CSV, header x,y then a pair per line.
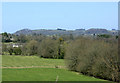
x,y
24,31
97,31
66,32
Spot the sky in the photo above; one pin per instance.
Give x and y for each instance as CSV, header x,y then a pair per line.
x,y
53,15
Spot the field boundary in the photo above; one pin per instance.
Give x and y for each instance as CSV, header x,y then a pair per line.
x,y
60,67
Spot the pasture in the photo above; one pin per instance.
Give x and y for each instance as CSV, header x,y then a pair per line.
x,y
43,73
29,61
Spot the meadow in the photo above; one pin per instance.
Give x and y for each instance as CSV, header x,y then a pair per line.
x,y
43,74
29,61
37,73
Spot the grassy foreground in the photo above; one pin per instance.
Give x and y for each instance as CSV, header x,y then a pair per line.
x,y
43,74
38,74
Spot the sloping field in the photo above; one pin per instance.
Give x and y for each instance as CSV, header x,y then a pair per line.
x,y
30,61
32,68
43,74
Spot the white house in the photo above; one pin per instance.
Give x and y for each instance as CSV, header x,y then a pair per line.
x,y
15,45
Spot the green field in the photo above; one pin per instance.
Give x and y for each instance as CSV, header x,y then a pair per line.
x,y
40,73
43,74
23,61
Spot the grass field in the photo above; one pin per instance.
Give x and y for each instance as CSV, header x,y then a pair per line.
x,y
38,74
23,61
43,74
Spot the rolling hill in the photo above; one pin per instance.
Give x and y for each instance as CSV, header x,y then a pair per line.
x,y
66,32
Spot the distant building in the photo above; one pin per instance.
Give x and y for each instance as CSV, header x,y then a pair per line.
x,y
15,45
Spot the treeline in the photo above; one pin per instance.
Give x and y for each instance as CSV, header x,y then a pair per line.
x,y
39,45
94,57
7,37
47,48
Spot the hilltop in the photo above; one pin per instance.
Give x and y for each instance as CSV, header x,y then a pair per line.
x,y
67,32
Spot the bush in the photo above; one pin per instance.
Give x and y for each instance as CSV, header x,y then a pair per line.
x,y
4,48
10,50
104,36
17,51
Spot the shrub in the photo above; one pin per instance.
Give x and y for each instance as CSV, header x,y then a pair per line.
x,y
17,51
104,36
10,50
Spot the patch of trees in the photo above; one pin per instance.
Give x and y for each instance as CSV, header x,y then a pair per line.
x,y
104,36
20,39
6,37
47,48
96,58
30,48
11,50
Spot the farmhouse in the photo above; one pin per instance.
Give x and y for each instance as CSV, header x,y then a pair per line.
x,y
14,45
17,45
